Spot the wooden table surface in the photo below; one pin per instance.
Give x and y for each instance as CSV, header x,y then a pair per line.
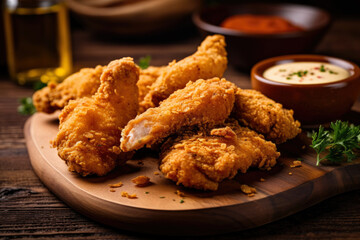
x,y
28,209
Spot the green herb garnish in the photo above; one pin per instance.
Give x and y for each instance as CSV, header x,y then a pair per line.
x,y
339,142
144,62
39,85
182,201
322,68
26,106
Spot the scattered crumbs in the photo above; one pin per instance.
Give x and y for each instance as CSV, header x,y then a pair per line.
x,y
146,192
295,164
116,185
112,190
42,146
179,193
174,200
156,173
182,201
262,179
290,173
130,196
162,197
248,190
251,194
141,181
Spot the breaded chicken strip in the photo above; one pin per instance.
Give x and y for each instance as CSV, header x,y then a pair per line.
x,y
203,159
202,102
209,61
147,77
90,127
265,116
56,96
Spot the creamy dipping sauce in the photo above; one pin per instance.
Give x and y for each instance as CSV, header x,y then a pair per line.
x,y
306,73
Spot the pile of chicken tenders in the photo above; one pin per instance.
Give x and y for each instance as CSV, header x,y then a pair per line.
x,y
207,128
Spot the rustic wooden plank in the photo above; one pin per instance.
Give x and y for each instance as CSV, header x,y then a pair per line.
x,y
227,209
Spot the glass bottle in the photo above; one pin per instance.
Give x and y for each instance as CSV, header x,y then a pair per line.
x,y
37,40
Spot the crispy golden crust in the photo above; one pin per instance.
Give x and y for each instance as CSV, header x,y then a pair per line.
x,y
203,159
90,127
199,103
147,77
209,61
56,96
265,116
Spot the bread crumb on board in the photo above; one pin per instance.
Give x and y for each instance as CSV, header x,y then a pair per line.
x,y
130,196
141,181
250,191
179,193
116,185
295,164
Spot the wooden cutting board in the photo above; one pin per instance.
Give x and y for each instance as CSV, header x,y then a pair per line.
x,y
159,210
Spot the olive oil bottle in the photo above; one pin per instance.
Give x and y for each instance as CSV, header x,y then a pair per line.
x,y
37,40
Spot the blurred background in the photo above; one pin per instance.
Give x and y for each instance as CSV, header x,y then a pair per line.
x,y
129,23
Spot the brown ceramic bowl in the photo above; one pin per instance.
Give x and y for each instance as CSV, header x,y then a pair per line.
x,y
244,50
132,18
312,103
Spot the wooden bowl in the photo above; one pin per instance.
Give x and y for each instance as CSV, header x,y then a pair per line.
x,y
244,50
312,103
132,17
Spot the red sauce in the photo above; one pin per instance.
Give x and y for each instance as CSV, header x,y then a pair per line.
x,y
259,24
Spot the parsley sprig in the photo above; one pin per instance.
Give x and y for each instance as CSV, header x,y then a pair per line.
x,y
339,142
144,62
26,106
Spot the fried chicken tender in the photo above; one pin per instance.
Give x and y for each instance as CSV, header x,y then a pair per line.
x,y
56,96
147,77
203,159
202,102
209,61
90,127
265,116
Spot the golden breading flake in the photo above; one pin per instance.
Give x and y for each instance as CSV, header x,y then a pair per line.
x,y
88,135
179,193
295,164
130,196
116,185
141,181
250,191
116,149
